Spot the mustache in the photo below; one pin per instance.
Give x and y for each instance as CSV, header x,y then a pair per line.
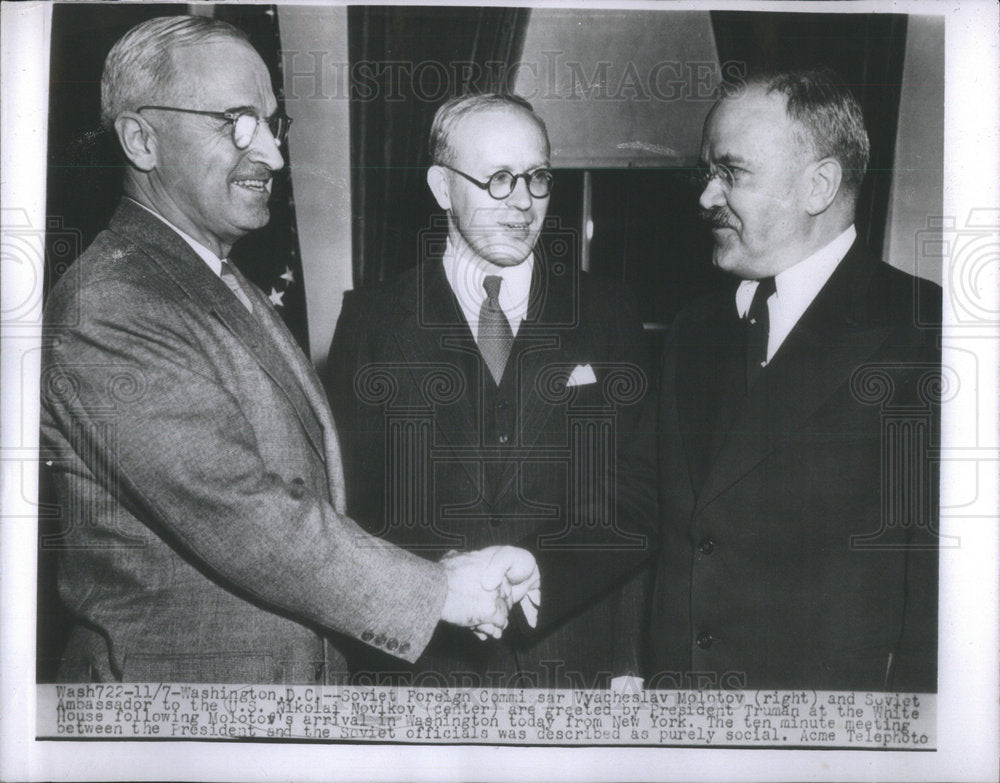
x,y
718,217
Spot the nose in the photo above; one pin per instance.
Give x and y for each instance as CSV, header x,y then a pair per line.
x,y
265,149
519,197
712,195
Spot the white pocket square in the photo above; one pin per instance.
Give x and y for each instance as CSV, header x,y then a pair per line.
x,y
582,375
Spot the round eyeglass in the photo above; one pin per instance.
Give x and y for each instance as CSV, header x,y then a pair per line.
x,y
703,175
245,123
502,183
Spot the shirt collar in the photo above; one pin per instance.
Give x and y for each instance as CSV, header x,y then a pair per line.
x,y
798,285
465,273
206,255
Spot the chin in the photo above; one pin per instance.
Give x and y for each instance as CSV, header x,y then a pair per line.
x,y
727,260
506,260
505,253
255,220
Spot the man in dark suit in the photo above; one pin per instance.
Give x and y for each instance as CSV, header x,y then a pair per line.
x,y
796,416
492,395
194,456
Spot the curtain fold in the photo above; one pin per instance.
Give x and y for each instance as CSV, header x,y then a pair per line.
x,y
405,62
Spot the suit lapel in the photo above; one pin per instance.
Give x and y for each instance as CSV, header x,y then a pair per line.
x,y
540,342
543,339
439,334
192,275
434,334
832,338
711,392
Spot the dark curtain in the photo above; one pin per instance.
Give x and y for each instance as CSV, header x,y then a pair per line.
x,y
84,185
405,62
866,49
85,172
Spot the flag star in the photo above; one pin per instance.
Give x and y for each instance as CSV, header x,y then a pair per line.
x,y
289,275
275,297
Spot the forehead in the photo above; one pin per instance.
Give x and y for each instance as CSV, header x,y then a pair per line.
x,y
222,74
752,125
499,138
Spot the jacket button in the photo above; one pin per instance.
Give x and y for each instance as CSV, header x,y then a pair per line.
x,y
496,521
705,640
392,644
380,640
298,488
404,648
707,545
367,636
299,480
503,438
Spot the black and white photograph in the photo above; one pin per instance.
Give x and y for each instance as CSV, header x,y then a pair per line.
x,y
538,391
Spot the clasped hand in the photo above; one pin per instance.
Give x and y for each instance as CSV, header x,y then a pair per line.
x,y
484,585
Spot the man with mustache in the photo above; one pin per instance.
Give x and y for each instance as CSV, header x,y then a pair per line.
x,y
496,395
194,456
796,416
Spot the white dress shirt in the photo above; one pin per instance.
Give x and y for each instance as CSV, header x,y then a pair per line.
x,y
465,273
206,255
796,288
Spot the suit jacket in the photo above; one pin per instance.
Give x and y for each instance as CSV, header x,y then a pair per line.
x,y
439,457
800,546
193,457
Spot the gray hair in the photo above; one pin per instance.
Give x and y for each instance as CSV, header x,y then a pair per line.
x,y
139,67
821,103
450,113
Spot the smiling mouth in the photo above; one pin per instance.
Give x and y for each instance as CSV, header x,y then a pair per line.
x,y
256,185
518,226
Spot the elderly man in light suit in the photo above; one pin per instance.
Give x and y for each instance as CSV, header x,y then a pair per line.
x,y
195,459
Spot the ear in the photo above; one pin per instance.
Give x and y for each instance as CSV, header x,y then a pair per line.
x,y
437,181
824,178
138,140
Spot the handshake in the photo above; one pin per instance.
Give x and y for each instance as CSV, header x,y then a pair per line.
x,y
484,585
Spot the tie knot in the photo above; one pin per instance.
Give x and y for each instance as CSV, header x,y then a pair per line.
x,y
765,287
492,285
228,276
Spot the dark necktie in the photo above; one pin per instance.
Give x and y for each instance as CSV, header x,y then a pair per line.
x,y
757,330
495,335
234,285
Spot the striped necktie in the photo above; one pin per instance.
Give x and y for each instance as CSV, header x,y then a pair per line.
x,y
495,335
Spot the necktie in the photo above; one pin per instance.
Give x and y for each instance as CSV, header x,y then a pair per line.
x,y
495,335
234,285
757,330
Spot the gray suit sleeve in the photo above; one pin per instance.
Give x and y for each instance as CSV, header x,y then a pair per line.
x,y
186,456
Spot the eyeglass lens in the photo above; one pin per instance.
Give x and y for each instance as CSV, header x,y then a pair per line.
x,y
703,175
245,129
502,183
